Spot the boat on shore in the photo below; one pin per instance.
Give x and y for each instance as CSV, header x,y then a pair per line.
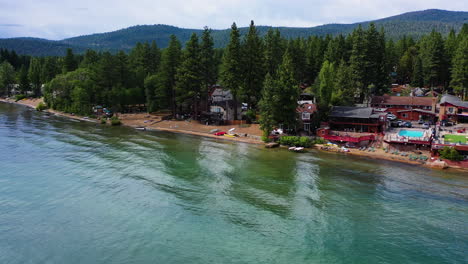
x,y
297,149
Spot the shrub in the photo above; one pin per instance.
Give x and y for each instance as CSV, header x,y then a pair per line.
x,y
250,115
295,141
450,154
319,140
266,139
103,121
41,107
115,121
19,97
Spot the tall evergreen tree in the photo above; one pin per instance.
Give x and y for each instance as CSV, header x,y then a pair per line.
x,y
34,75
297,53
358,63
69,62
23,80
267,106
273,51
417,80
460,69
50,69
90,59
375,69
189,77
7,77
166,77
208,64
231,71
433,59
287,92
154,58
252,65
344,92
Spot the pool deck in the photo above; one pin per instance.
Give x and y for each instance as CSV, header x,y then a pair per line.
x,y
393,136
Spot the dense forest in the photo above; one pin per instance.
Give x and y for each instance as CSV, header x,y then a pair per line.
x,y
412,24
267,72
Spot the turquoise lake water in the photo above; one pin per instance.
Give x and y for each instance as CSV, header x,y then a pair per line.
x,y
411,133
76,192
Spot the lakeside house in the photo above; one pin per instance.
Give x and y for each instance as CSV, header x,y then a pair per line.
x,y
221,102
305,113
410,108
452,108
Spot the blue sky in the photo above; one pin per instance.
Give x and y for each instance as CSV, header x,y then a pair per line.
x,y
58,19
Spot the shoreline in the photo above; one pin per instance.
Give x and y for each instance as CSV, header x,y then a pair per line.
x,y
248,140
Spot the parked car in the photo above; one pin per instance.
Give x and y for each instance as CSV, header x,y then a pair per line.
x,y
446,123
406,124
395,124
420,121
391,117
426,126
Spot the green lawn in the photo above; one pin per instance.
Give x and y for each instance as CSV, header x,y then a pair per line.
x,y
455,138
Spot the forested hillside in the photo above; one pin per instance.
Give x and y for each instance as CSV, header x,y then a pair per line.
x,y
413,24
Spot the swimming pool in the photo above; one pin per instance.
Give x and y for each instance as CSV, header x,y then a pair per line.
x,y
411,133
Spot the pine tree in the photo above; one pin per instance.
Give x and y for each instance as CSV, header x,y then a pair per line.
x,y
252,65
154,58
189,77
267,106
417,80
207,64
433,59
50,69
23,80
460,69
297,53
34,75
170,61
314,58
231,71
273,52
7,77
287,92
90,59
375,69
344,91
358,63
69,62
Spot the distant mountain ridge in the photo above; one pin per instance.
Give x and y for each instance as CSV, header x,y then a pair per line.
x,y
412,24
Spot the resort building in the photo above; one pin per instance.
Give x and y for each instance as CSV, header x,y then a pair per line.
x,y
452,108
409,108
353,124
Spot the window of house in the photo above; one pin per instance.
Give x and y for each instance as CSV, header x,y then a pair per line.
x,y
307,127
306,116
404,115
450,110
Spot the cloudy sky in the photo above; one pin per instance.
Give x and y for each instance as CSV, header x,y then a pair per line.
x,y
58,19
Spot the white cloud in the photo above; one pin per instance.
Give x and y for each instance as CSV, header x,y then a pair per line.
x,y
56,19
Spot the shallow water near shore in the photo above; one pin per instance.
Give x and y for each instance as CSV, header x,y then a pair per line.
x,y
77,192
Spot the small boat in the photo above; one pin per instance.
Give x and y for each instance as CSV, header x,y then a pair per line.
x,y
296,149
230,136
140,128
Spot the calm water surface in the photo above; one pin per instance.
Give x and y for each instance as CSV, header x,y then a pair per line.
x,y
75,192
